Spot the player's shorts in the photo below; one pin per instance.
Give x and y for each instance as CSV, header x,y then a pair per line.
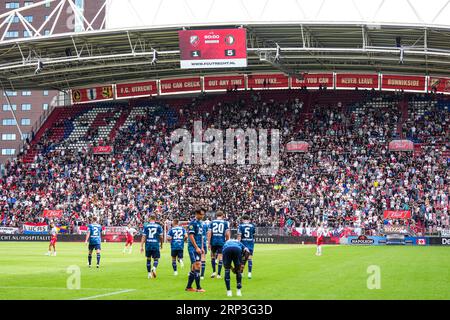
x,y
152,253
319,241
216,249
194,256
177,253
53,241
94,247
129,240
232,255
249,246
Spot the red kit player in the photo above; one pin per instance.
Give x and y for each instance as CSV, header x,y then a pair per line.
x,y
130,232
53,233
320,236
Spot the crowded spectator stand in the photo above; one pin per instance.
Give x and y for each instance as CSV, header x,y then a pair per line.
x,y
347,177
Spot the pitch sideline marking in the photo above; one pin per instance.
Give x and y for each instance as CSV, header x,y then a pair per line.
x,y
56,288
107,294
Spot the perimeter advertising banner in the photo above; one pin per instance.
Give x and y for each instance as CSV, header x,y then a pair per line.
x,y
115,234
136,90
8,230
407,83
440,85
181,85
85,95
313,80
25,237
442,241
366,240
223,83
267,81
213,48
363,81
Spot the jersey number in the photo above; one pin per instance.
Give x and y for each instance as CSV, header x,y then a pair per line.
x,y
95,232
178,234
218,228
151,232
247,232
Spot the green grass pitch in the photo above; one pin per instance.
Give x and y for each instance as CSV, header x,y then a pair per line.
x,y
279,272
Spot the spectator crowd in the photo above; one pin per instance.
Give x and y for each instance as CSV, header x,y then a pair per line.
x,y
346,180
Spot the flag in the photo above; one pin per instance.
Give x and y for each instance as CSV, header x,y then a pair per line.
x,y
62,229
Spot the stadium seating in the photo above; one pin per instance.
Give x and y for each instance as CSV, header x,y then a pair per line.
x,y
347,178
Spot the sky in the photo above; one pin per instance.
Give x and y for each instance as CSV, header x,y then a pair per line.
x,y
140,13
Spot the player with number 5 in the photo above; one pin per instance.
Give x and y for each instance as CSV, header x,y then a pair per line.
x,y
246,234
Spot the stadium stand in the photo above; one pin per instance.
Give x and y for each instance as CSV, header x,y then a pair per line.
x,y
347,178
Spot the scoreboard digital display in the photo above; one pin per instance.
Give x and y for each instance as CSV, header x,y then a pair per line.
x,y
213,48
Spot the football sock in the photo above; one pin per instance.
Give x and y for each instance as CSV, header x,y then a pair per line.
x,y
250,265
149,265
174,265
220,267
155,263
190,279
203,268
90,258
197,278
227,279
239,280
213,264
98,258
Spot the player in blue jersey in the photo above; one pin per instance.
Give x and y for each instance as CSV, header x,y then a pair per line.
x,y
177,236
236,254
152,236
195,248
218,233
94,237
205,225
246,234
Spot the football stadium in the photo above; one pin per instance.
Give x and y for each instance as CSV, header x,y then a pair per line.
x,y
225,150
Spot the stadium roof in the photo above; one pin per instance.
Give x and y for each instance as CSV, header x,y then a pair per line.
x,y
124,53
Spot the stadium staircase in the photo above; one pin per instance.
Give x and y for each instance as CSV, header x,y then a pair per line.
x,y
403,107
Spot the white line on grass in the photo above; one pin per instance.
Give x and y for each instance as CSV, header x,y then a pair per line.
x,y
107,294
59,288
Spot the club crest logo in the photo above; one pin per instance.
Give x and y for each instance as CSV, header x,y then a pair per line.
x,y
229,40
194,40
76,95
